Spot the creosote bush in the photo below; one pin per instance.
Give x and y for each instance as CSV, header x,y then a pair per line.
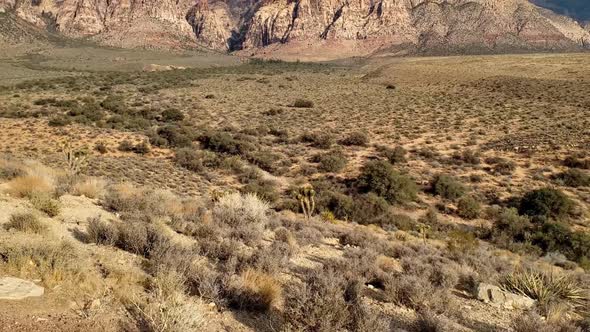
x,y
574,178
355,138
25,222
447,187
333,161
382,179
45,203
302,103
546,203
468,207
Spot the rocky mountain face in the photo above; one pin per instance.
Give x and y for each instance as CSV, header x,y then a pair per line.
x,y
349,26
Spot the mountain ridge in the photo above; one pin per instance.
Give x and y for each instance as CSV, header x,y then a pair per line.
x,y
357,27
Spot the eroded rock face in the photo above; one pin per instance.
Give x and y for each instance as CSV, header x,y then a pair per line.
x,y
433,26
113,22
476,25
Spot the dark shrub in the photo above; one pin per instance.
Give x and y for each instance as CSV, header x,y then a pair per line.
x,y
142,148
125,146
225,143
172,115
114,104
266,160
101,148
302,103
333,161
59,121
395,155
356,138
447,187
545,203
574,178
468,208
189,159
264,189
318,140
501,166
574,162
382,179
557,237
170,136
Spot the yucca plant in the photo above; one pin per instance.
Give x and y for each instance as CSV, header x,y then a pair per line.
x,y
548,289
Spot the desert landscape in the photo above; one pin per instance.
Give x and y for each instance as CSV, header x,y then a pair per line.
x,y
298,185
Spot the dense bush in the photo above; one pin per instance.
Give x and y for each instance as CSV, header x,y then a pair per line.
x,y
25,222
189,159
447,187
45,203
396,155
254,290
382,179
333,161
356,138
318,140
501,165
224,142
468,207
172,115
546,203
574,178
171,136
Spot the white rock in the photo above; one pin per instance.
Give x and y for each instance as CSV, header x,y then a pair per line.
x,y
18,289
495,296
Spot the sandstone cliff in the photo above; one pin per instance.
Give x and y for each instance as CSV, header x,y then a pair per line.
x,y
347,26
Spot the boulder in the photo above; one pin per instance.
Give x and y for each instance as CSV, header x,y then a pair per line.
x,y
18,289
496,296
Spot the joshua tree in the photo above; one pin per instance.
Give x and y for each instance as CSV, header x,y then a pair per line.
x,y
305,196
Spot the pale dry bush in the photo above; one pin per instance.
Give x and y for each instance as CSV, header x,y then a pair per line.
x,y
37,178
164,203
90,187
236,209
166,308
255,290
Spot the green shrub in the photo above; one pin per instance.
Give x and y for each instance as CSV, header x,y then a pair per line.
x,y
224,142
190,159
25,222
395,155
59,121
125,146
44,203
171,136
318,140
264,189
468,208
574,178
382,179
172,115
546,203
356,138
501,165
114,104
333,161
447,187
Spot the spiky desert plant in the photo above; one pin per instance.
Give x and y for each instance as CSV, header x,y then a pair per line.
x,y
548,288
305,195
76,159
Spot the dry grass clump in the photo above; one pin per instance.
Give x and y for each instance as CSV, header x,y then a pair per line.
x,y
90,187
26,186
254,290
45,203
25,222
166,308
52,262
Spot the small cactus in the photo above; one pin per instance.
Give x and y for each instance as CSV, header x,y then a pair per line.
x,y
305,195
76,159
